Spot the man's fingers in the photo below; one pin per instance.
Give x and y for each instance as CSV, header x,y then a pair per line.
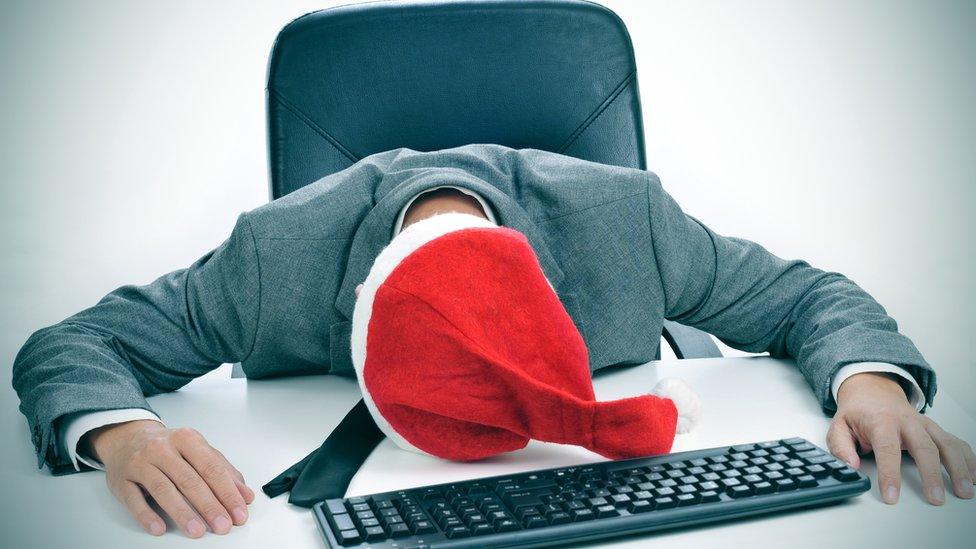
x,y
162,489
245,491
926,456
886,444
953,452
216,472
132,497
840,442
197,492
242,486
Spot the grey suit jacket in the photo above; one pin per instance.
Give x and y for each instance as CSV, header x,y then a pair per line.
x,y
278,294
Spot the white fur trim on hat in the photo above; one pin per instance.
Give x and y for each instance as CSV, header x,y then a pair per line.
x,y
685,400
414,236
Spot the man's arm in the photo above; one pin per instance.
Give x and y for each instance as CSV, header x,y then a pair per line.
x,y
755,301
139,341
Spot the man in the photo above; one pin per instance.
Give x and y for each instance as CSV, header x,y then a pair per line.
x,y
278,296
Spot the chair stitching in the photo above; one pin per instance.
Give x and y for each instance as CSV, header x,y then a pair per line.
x,y
312,125
598,111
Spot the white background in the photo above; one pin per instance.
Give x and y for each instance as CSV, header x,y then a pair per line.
x,y
838,132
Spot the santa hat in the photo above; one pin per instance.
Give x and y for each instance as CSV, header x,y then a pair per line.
x,y
463,350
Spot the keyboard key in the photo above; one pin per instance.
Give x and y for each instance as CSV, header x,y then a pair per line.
x,y
729,482
582,514
743,447
665,503
818,471
640,506
534,521
335,506
606,511
784,484
506,525
710,496
374,533
845,474
342,522
739,491
398,530
457,532
620,500
560,518
421,527
806,481
763,487
481,528
596,502
793,441
348,537
687,499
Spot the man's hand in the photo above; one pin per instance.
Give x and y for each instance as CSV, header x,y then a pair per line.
x,y
186,476
873,412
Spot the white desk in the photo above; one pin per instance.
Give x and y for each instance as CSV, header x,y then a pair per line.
x,y
265,426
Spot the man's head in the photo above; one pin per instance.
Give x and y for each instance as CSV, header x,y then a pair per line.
x,y
463,350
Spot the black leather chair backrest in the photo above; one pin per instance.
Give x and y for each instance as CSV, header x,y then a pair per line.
x,y
555,75
350,81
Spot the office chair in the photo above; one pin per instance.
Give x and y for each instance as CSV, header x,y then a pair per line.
x,y
554,75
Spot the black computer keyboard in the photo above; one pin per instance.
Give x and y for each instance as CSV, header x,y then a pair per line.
x,y
596,500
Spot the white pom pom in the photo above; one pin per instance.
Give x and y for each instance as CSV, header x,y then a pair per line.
x,y
685,400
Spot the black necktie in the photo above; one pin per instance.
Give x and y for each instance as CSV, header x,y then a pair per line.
x,y
326,472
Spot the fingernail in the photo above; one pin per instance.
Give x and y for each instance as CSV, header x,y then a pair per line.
x,y
195,528
157,528
239,514
937,494
965,489
221,524
891,494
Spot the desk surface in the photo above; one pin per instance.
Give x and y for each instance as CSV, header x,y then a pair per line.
x,y
264,426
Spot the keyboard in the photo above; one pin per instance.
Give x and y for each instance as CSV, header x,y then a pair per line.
x,y
596,500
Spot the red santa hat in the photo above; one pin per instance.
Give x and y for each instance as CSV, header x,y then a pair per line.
x,y
463,350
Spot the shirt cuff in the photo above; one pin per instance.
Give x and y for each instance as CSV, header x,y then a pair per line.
x,y
76,425
484,205
916,398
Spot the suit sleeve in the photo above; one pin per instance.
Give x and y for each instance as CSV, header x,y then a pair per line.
x,y
756,301
139,341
